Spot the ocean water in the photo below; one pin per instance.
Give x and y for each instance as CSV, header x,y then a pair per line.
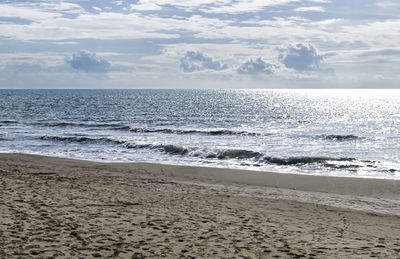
x,y
319,132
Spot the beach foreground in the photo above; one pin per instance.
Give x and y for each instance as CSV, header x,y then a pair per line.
x,y
53,207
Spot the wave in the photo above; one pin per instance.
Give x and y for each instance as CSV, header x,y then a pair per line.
x,y
8,122
235,153
111,126
341,137
189,131
303,160
81,139
242,154
75,124
257,158
198,152
169,149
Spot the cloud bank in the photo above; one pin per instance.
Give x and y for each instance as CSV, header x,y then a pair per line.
x,y
154,43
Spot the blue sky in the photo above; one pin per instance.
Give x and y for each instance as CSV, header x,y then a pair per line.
x,y
200,44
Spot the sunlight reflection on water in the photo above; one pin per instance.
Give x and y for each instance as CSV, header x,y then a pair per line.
x,y
327,132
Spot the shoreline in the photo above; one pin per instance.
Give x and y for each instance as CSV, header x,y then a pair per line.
x,y
359,186
57,207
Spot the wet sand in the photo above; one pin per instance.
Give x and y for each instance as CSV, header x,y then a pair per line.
x,y
52,207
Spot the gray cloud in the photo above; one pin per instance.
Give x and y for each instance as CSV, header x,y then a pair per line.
x,y
196,61
88,62
301,57
257,66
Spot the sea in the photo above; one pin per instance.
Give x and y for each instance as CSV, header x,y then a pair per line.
x,y
347,133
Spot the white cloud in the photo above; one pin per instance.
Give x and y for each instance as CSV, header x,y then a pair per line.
x,y
145,5
196,61
231,53
377,34
295,61
184,3
52,26
26,12
218,6
66,42
255,67
245,6
319,9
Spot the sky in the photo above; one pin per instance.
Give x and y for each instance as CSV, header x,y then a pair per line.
x,y
199,44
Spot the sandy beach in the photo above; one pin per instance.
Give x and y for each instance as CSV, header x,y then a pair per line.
x,y
64,208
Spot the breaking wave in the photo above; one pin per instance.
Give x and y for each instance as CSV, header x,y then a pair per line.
x,y
212,132
340,137
81,139
6,122
189,131
84,125
256,158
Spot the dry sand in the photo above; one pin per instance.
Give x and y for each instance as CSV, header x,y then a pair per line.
x,y
52,207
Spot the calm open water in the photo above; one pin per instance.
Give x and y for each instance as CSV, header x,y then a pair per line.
x,y
319,132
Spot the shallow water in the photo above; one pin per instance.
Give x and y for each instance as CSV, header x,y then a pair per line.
x,y
320,132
